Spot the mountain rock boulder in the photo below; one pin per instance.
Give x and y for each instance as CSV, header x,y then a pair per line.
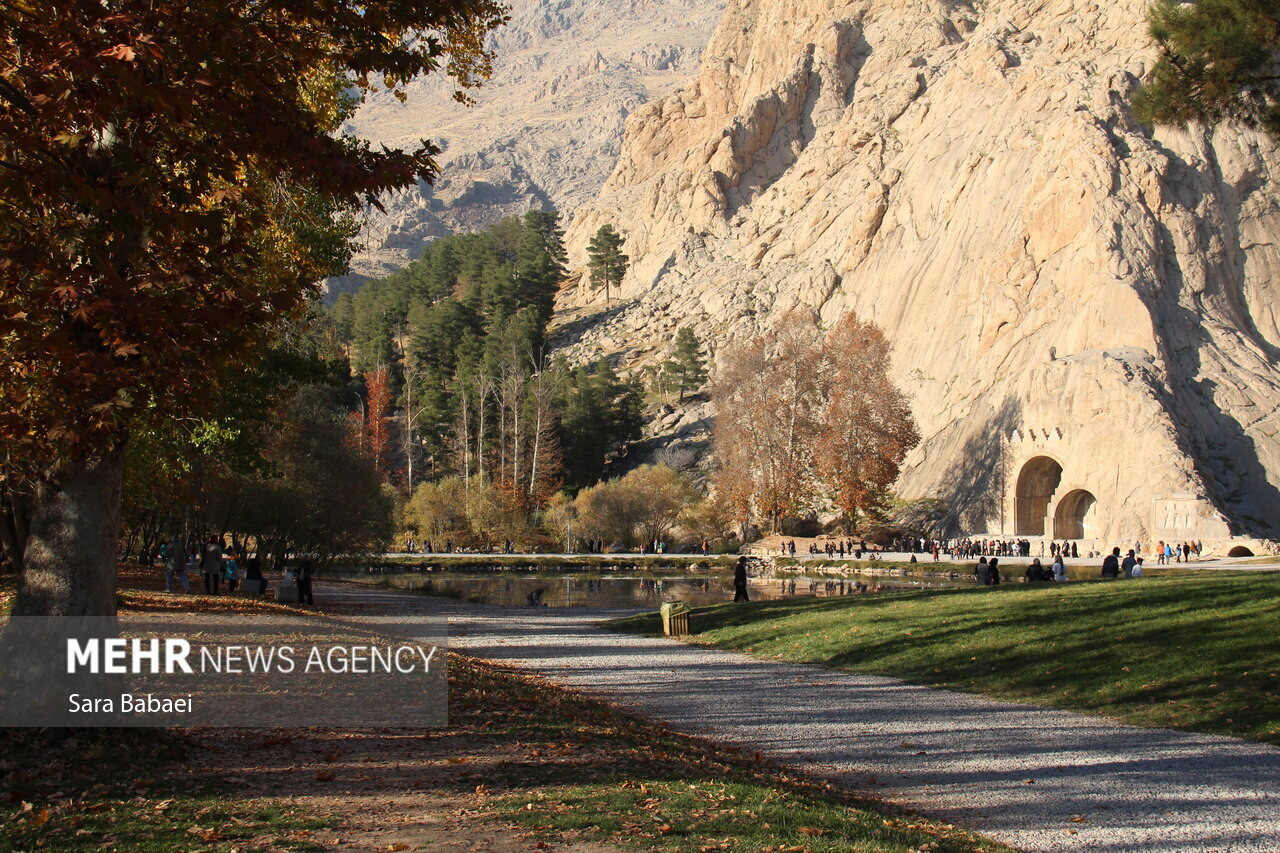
x,y
1084,311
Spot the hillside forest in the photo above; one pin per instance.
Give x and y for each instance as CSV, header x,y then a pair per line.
x,y
431,406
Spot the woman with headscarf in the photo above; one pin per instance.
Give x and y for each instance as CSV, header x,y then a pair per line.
x,y
740,580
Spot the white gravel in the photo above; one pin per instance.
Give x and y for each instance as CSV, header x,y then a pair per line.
x,y
1036,778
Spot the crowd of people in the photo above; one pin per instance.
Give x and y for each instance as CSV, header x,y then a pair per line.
x,y
839,548
219,562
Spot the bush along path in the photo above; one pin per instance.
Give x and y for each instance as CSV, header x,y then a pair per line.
x,y
1036,778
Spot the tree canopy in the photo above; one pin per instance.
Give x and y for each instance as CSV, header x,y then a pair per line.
x,y
809,420
1217,63
172,189
147,209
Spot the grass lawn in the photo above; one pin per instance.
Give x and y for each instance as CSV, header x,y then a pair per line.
x,y
1194,652
551,764
118,789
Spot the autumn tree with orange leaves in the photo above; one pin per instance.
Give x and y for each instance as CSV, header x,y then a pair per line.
x,y
768,398
807,420
377,391
866,428
169,182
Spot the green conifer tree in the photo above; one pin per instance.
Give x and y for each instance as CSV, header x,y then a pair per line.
x,y
1218,60
605,259
686,370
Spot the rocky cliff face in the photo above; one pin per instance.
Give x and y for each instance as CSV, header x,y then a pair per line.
x,y
545,129
1063,287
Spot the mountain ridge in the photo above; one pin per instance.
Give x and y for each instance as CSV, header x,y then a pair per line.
x,y
1083,311
545,128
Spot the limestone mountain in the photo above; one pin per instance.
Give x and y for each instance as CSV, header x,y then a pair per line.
x,y
544,130
1083,310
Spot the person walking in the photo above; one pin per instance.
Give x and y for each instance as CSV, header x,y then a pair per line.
x,y
305,572
740,580
175,564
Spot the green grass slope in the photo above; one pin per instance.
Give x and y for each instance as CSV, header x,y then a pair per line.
x,y
1200,653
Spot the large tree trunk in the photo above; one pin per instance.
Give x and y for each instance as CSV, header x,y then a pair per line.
x,y
70,558
15,520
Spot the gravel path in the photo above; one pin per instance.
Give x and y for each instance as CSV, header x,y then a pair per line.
x,y
1035,778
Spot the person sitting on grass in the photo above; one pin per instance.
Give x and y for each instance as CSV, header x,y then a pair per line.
x,y
1036,572
1111,564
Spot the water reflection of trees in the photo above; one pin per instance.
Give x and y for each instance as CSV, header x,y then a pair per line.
x,y
590,591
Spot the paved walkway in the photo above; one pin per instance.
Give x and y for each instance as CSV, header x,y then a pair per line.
x,y
1035,778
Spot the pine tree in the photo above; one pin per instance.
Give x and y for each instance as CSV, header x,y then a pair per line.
x,y
1217,64
605,259
686,370
600,414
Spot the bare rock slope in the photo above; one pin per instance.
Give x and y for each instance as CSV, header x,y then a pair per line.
x,y
545,129
1083,312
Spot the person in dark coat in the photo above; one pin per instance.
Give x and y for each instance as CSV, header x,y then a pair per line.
x,y
211,565
305,572
1129,562
994,568
1111,564
253,572
740,580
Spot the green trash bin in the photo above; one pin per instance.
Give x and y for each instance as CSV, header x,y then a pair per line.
x,y
675,618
